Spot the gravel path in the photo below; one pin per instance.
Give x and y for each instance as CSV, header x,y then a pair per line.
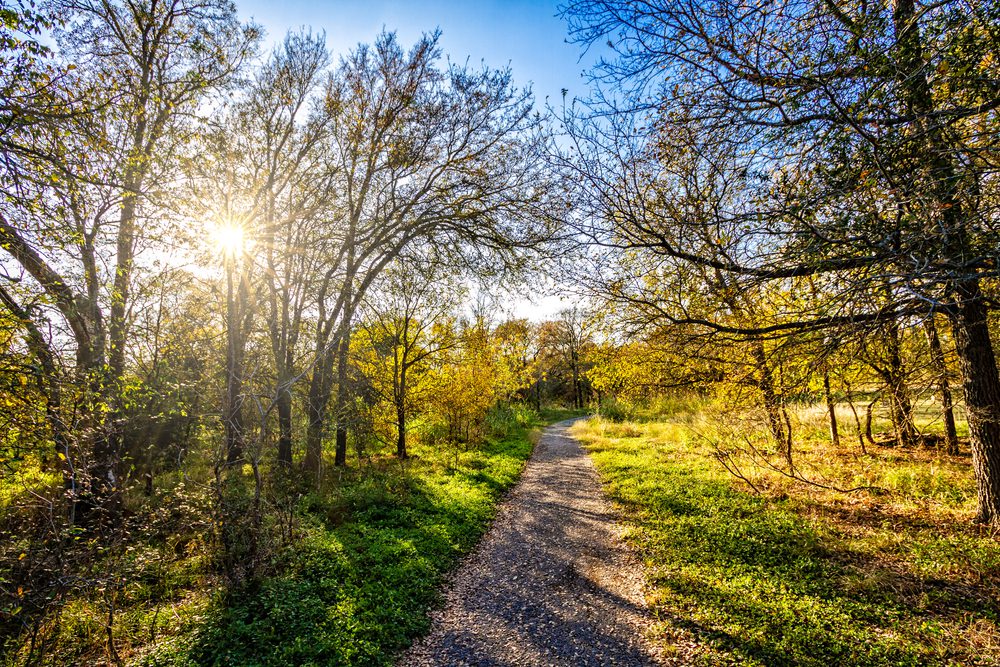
x,y
550,583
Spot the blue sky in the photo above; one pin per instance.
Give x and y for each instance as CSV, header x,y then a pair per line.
x,y
526,34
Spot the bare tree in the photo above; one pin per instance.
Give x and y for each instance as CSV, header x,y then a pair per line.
x,y
844,157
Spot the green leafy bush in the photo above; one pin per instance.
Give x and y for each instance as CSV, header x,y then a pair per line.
x,y
615,410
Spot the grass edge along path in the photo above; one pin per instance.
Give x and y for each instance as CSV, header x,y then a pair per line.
x,y
736,578
357,588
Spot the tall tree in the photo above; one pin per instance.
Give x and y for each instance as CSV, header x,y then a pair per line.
x,y
445,156
858,139
262,181
149,65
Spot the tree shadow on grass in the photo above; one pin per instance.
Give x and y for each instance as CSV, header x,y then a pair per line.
x,y
357,589
765,584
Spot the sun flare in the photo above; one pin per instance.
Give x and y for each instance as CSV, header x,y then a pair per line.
x,y
229,239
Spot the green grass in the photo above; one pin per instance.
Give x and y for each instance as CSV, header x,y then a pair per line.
x,y
798,575
356,588
351,582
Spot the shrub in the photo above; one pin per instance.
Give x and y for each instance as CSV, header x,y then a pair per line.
x,y
615,410
503,419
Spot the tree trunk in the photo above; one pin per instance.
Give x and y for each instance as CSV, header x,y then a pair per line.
x,y
343,396
578,392
982,396
900,407
831,409
319,398
868,421
980,380
401,413
765,382
105,471
316,416
343,350
284,401
282,346
232,411
940,369
233,418
788,439
400,431
857,424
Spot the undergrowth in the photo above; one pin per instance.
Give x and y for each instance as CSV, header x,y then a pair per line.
x,y
356,588
362,564
796,574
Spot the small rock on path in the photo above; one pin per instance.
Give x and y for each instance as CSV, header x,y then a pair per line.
x,y
551,582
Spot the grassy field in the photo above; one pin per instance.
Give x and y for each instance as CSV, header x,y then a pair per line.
x,y
352,585
796,574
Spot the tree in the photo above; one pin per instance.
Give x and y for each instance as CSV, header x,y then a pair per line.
x,y
517,345
93,173
465,377
262,180
853,142
405,325
573,337
450,157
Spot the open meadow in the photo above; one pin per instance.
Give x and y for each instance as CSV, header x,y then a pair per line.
x,y
788,573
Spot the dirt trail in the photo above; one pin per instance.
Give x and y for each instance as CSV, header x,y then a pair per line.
x,y
550,583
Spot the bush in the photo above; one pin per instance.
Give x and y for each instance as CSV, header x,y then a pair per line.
x,y
615,411
503,419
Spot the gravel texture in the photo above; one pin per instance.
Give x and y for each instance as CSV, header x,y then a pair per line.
x,y
551,582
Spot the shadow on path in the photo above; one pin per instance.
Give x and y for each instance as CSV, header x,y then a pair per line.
x,y
551,582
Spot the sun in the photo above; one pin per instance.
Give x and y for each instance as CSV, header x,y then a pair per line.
x,y
230,239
